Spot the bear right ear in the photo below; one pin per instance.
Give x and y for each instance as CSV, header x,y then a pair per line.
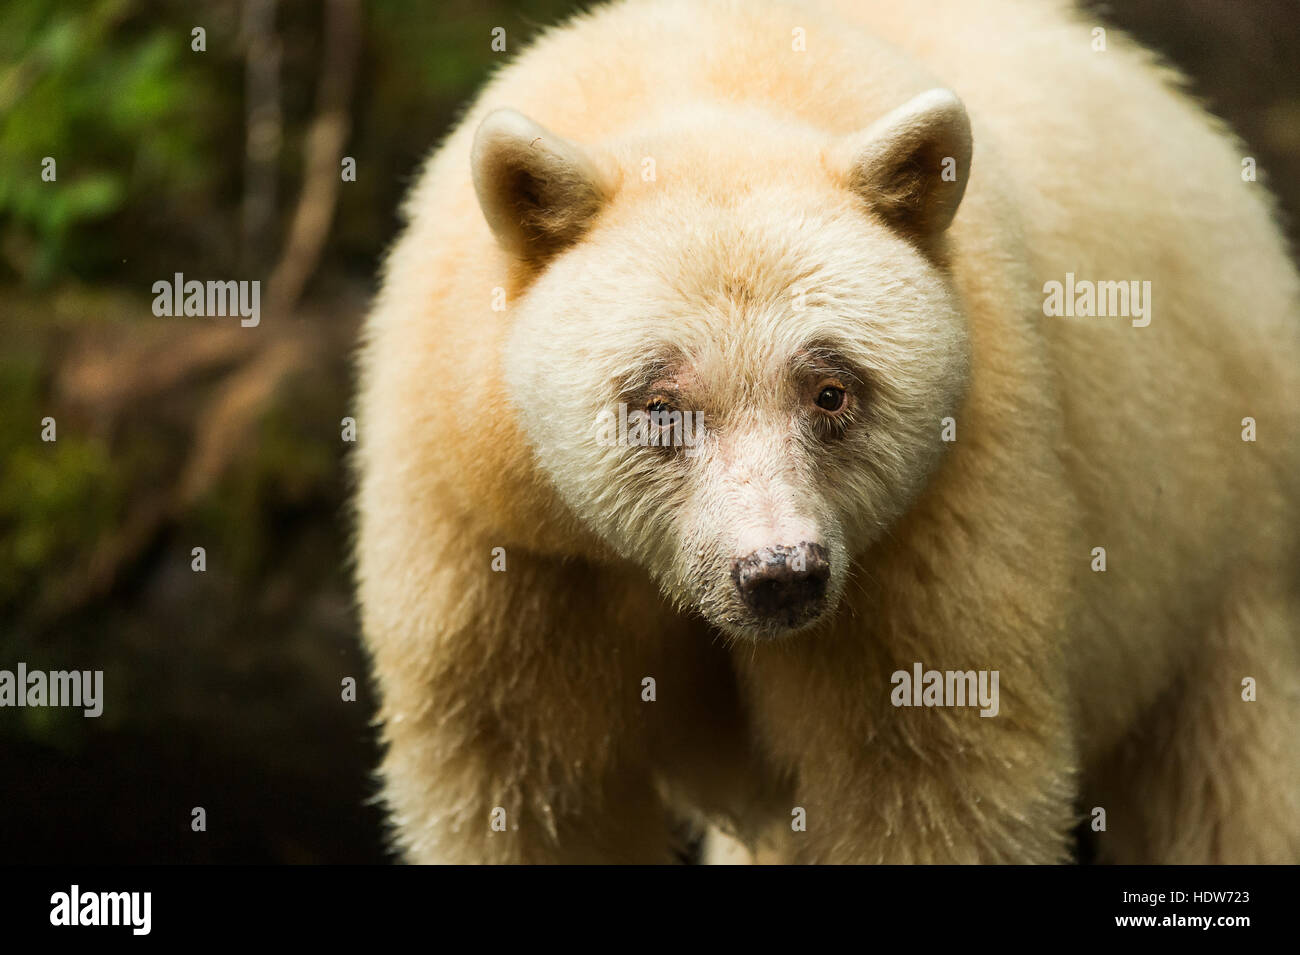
x,y
538,191
911,165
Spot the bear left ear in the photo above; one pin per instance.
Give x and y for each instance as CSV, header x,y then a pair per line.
x,y
911,165
538,191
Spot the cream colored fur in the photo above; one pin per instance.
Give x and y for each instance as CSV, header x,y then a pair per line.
x,y
522,690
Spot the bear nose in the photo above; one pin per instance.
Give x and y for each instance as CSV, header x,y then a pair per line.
x,y
783,582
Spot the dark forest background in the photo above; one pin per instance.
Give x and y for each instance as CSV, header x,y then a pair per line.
x,y
223,688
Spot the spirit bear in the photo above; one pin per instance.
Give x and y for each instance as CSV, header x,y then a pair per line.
x,y
835,238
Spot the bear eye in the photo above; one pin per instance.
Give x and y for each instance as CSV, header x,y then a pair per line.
x,y
658,409
830,397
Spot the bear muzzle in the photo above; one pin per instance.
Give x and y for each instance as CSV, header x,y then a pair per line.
x,y
784,585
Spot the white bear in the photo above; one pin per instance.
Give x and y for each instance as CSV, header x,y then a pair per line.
x,y
835,346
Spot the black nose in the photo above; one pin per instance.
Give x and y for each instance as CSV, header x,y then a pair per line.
x,y
782,583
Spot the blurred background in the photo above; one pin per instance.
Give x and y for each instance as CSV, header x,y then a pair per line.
x,y
224,688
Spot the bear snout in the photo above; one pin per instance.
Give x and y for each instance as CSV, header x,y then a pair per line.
x,y
782,584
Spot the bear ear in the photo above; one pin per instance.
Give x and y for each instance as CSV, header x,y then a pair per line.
x,y
538,191
911,165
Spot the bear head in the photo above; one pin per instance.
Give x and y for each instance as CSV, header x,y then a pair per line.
x,y
737,339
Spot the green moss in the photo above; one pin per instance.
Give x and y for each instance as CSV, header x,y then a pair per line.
x,y
55,498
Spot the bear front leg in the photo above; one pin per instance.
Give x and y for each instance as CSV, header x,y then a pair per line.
x,y
509,716
874,783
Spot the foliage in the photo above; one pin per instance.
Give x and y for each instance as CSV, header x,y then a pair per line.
x,y
113,103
